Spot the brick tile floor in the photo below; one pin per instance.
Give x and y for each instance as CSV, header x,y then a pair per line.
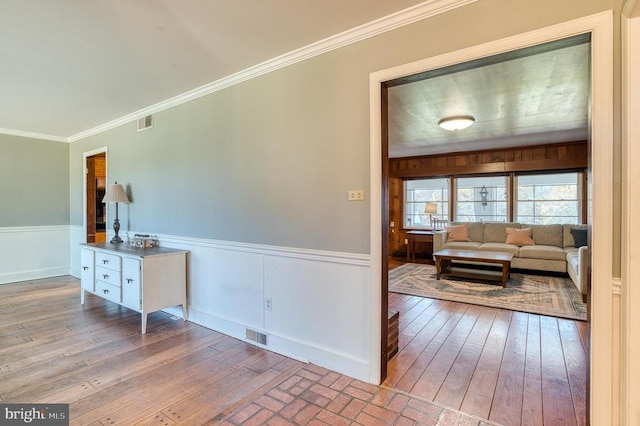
x,y
316,396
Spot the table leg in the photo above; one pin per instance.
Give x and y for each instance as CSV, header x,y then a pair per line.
x,y
144,322
506,270
438,266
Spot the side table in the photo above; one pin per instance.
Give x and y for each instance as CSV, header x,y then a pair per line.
x,y
421,236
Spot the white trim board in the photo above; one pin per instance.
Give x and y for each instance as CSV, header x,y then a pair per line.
x,y
33,135
630,232
601,27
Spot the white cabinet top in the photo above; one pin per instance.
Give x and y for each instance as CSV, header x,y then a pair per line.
x,y
125,249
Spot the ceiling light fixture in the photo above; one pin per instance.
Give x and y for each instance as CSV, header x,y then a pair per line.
x,y
456,123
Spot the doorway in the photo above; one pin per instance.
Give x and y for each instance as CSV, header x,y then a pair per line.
x,y
95,187
601,133
471,357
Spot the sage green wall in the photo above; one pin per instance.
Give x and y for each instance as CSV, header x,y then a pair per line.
x,y
270,160
34,182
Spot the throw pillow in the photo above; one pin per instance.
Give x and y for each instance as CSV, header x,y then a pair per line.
x,y
457,233
579,237
520,237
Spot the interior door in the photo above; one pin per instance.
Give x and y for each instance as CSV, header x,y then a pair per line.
x,y
96,174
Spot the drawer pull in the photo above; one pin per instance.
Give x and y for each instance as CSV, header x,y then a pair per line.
x,y
105,291
84,268
129,280
105,276
105,261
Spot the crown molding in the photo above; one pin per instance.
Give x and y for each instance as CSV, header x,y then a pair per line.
x,y
390,22
32,135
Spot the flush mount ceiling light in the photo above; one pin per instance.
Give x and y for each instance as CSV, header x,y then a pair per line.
x,y
458,122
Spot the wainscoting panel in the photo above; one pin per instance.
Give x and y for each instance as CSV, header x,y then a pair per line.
x,y
227,283
32,252
322,310
319,301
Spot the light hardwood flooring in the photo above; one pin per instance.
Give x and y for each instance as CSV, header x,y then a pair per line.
x,y
509,367
93,357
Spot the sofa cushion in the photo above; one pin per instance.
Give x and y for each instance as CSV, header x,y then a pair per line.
x,y
550,235
474,229
519,237
540,251
471,245
567,238
457,233
500,247
497,232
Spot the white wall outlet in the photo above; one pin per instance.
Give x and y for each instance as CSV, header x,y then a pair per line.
x,y
392,224
406,241
268,304
356,195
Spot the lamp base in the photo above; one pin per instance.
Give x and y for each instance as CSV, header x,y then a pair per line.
x,y
116,240
116,228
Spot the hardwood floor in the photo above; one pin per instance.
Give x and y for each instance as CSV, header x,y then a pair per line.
x,y
93,357
509,367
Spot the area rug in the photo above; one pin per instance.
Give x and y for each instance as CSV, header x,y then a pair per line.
x,y
537,294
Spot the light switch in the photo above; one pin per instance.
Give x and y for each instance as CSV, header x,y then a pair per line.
x,y
356,195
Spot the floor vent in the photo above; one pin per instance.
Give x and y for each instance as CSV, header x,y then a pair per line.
x,y
145,123
257,337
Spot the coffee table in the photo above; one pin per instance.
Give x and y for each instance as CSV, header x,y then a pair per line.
x,y
444,257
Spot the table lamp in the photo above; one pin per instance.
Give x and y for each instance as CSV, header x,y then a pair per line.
x,y
116,194
430,209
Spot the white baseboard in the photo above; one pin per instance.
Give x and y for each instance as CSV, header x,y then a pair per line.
x,y
302,351
37,274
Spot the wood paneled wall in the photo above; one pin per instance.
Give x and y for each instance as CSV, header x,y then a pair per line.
x,y
565,156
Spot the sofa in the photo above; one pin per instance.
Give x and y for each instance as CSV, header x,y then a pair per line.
x,y
550,248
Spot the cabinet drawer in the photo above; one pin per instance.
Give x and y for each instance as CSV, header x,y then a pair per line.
x,y
108,275
108,291
109,261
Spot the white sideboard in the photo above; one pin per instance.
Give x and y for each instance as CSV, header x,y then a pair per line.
x,y
145,280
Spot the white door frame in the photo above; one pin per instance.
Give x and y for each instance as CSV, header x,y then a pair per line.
x,y
601,28
84,185
630,294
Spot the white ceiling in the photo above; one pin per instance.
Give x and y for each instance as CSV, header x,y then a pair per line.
x,y
519,100
67,66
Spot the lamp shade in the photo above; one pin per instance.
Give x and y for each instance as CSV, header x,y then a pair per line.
x,y
115,194
431,208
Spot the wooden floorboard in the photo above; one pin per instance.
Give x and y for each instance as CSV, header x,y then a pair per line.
x,y
93,357
509,367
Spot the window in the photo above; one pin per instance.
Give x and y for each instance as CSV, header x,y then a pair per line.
x,y
420,192
542,199
547,199
481,199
